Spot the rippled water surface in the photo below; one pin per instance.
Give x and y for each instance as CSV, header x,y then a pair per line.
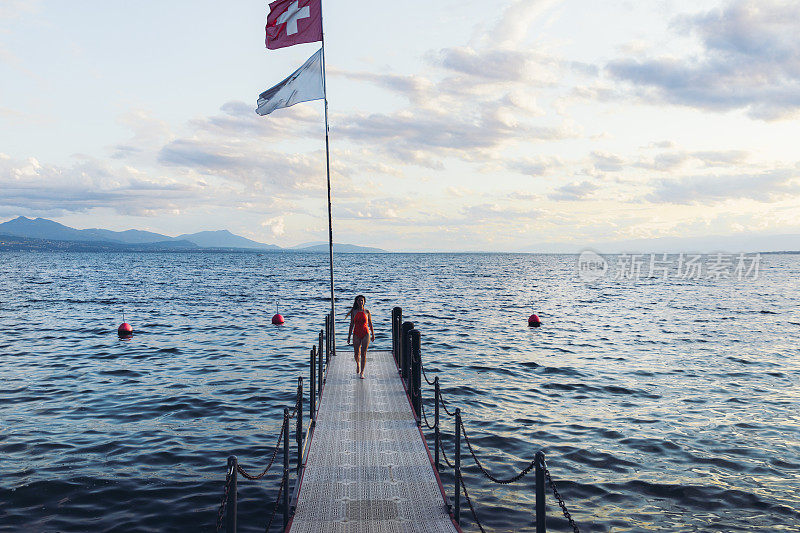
x,y
662,405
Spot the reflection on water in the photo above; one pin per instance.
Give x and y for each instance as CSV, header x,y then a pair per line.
x,y
665,405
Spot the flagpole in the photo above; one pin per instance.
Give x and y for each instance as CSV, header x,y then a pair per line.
x,y
328,171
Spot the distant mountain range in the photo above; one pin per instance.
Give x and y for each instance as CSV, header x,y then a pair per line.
x,y
24,233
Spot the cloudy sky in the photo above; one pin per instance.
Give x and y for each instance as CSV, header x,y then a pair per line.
x,y
467,125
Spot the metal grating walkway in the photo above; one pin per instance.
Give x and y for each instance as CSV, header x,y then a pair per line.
x,y
367,468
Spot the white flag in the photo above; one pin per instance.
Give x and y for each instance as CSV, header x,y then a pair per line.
x,y
303,85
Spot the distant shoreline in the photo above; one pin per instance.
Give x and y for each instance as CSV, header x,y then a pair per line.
x,y
31,244
26,244
40,234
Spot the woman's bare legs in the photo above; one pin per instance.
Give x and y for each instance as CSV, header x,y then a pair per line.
x,y
357,352
363,342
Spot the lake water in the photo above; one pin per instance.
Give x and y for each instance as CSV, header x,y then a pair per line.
x,y
661,404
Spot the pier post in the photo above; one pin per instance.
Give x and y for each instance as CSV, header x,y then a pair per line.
x,y
436,436
285,467
457,474
416,374
327,338
397,321
312,387
319,356
540,505
332,342
230,518
405,350
299,428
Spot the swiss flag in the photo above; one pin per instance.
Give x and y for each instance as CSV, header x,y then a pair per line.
x,y
293,22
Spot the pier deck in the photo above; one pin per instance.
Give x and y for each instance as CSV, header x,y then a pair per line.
x,y
368,468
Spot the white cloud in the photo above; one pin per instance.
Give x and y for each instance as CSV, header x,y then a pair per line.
x,y
535,165
13,9
750,60
32,188
276,225
574,191
607,162
762,187
671,161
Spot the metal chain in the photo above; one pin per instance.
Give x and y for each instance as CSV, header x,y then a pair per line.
x,y
486,473
294,413
441,400
271,461
431,383
275,508
471,508
441,449
224,503
560,501
425,417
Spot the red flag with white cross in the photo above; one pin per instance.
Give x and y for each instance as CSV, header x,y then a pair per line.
x,y
293,22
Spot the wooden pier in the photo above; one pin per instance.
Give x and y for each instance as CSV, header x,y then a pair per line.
x,y
367,467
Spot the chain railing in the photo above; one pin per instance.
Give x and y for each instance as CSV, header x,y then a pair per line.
x,y
271,461
275,507
559,499
471,508
228,507
407,354
486,473
229,475
444,405
429,382
425,418
446,460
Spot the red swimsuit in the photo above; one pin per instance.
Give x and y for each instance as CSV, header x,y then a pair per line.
x,y
360,325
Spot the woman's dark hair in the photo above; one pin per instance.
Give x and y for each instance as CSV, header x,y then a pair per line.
x,y
355,303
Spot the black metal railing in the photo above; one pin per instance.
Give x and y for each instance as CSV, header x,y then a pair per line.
x,y
406,348
228,508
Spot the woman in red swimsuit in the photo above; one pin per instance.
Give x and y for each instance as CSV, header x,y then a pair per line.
x,y
361,331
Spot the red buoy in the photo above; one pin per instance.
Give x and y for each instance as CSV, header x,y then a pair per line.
x,y
124,330
277,318
533,321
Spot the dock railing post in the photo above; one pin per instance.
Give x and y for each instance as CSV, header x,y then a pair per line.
x,y
332,341
397,320
327,338
405,351
409,356
230,518
299,428
540,505
312,387
436,437
285,467
457,476
319,363
416,374
394,334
